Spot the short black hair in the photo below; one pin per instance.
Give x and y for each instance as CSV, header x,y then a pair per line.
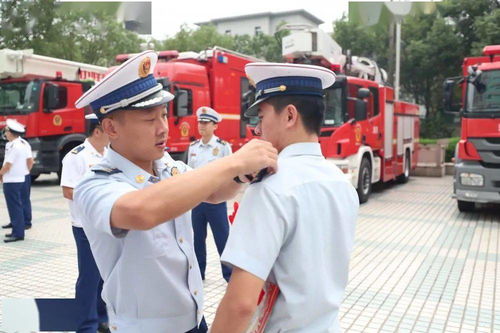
x,y
310,108
93,125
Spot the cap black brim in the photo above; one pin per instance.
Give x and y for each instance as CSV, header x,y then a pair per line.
x,y
253,110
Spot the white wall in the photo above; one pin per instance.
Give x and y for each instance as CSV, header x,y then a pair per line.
x,y
268,24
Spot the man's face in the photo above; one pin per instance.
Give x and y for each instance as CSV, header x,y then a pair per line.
x,y
272,124
206,128
141,134
8,135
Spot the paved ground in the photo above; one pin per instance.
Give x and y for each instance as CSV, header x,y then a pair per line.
x,y
418,265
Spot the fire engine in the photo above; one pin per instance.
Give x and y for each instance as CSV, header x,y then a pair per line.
x,y
214,77
369,134
40,92
477,158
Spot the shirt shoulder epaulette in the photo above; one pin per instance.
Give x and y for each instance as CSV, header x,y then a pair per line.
x,y
194,142
78,149
105,171
222,142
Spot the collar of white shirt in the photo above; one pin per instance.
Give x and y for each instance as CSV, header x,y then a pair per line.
x,y
301,148
92,149
131,170
211,143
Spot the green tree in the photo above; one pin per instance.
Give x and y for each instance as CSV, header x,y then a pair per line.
x,y
86,36
196,40
464,14
487,29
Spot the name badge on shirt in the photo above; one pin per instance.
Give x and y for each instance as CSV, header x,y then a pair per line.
x,y
215,152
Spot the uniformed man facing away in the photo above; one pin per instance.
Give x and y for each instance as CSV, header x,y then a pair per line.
x,y
91,314
201,152
294,229
136,204
13,173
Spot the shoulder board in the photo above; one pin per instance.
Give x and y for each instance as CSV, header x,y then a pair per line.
x,y
105,171
194,142
78,149
219,140
257,179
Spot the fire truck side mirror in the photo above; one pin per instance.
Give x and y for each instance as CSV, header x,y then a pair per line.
x,y
363,93
51,97
360,112
450,103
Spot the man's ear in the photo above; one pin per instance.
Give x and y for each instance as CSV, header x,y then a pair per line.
x,y
109,127
292,115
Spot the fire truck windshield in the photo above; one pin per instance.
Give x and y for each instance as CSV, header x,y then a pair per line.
x,y
19,97
334,116
484,95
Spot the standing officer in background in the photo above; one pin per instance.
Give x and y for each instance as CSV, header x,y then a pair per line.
x,y
13,175
201,152
136,204
91,308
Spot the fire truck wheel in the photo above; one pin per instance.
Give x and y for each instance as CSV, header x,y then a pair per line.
x,y
364,180
466,206
403,178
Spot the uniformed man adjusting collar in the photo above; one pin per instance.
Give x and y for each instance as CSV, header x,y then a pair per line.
x,y
14,174
205,150
294,229
136,204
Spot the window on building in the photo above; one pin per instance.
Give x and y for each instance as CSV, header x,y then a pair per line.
x,y
258,30
228,32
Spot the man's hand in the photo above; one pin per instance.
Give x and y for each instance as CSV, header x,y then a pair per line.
x,y
254,156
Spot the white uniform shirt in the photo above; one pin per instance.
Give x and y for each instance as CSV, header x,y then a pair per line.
x,y
74,166
152,282
200,154
16,153
29,152
296,229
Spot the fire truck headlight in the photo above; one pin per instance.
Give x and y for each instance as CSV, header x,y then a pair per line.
x,y
471,179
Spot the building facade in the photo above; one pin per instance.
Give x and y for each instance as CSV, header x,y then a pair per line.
x,y
266,23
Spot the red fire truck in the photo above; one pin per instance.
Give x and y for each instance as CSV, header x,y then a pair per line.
x,y
40,92
215,78
477,158
369,134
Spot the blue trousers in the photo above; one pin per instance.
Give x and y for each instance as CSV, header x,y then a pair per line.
x,y
216,215
91,307
26,200
14,198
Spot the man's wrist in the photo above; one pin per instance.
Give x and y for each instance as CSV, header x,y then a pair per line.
x,y
234,166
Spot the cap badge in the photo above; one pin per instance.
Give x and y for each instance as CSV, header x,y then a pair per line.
x,y
144,67
140,179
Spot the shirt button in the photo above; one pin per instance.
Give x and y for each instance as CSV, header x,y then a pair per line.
x,y
190,266
181,240
195,292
